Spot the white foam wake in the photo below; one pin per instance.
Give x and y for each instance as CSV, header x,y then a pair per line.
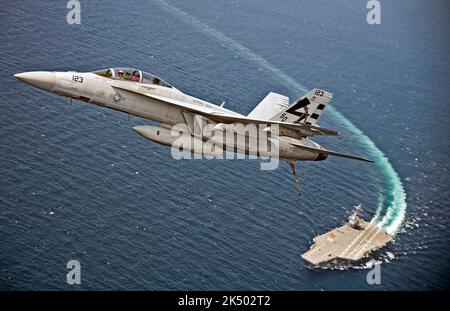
x,y
391,209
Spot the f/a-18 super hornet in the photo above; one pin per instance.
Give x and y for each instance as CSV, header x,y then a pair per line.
x,y
142,94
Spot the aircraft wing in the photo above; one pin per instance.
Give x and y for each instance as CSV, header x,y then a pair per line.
x,y
217,116
329,152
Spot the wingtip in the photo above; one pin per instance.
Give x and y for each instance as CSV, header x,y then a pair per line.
x,y
366,160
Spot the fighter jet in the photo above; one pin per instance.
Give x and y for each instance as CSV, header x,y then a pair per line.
x,y
142,94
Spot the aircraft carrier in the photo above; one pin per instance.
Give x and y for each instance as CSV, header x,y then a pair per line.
x,y
350,242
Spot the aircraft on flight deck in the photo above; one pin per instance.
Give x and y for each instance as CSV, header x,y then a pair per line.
x,y
139,93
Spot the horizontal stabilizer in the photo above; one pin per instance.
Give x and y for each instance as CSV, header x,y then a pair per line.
x,y
331,153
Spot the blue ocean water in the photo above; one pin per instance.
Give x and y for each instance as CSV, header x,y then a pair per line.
x,y
78,183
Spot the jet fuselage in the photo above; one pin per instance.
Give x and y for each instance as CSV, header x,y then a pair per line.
x,y
100,90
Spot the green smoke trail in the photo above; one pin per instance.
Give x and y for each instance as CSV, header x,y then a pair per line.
x,y
392,208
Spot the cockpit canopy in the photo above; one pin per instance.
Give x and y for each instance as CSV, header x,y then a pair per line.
x,y
133,75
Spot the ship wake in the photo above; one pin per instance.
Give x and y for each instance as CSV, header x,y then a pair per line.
x,y
392,206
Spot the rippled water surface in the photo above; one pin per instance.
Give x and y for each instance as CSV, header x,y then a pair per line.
x,y
78,183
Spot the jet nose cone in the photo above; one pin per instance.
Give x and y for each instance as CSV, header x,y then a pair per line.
x,y
42,79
